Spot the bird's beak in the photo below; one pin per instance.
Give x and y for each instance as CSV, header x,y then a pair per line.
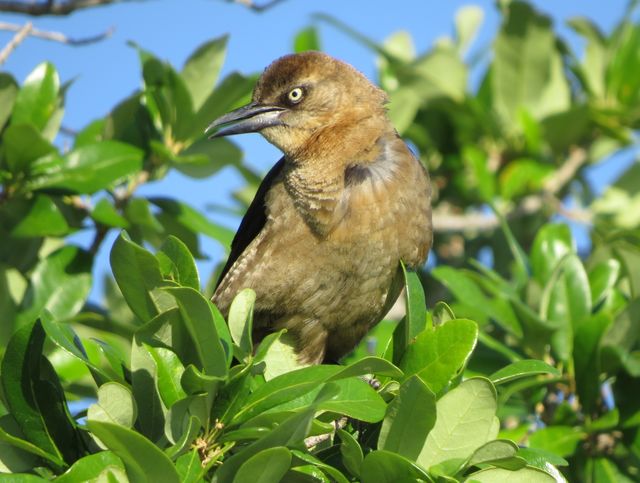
x,y
250,118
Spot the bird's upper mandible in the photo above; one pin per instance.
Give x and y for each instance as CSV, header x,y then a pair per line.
x,y
301,95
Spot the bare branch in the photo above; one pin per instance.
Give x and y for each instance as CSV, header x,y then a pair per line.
x,y
250,4
51,7
57,36
17,39
446,222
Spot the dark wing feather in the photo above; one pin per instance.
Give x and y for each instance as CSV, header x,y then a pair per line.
x,y
253,221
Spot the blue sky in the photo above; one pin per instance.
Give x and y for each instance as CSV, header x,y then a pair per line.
x,y
107,72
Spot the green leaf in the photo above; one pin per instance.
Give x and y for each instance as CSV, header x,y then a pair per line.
x,y
357,400
202,68
91,167
284,388
523,176
206,157
351,452
14,446
8,94
416,305
104,212
551,244
527,71
194,220
621,338
385,467
38,98
468,20
144,385
466,419
500,475
439,353
197,315
189,467
38,216
410,417
566,302
560,440
184,435
143,460
241,321
266,466
494,452
540,458
60,284
306,39
170,371
368,365
115,405
602,279
63,336
137,273
586,359
102,466
37,404
177,263
289,433
22,144
233,91
520,369
594,64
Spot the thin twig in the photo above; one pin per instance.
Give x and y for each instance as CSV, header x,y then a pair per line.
x,y
446,222
52,8
58,36
20,35
250,4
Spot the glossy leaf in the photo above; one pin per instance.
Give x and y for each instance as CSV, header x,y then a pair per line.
x,y
137,272
439,353
91,167
194,220
115,405
38,97
60,284
265,467
306,39
8,94
586,359
39,216
410,417
143,460
21,145
357,400
198,318
96,467
520,369
499,475
495,452
466,419
37,404
602,279
385,467
351,452
241,321
202,68
177,263
551,244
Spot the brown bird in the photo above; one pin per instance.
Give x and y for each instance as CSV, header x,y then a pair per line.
x,y
322,240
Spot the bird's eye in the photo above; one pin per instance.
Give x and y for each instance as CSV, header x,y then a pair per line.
x,y
295,95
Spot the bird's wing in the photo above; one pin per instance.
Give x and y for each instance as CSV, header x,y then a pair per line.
x,y
253,221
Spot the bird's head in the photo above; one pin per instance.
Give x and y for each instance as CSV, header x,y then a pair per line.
x,y
299,95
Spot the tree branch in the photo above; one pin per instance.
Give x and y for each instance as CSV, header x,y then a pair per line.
x,y
51,7
446,222
17,39
57,36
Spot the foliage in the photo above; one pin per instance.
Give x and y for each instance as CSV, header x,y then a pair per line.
x,y
544,338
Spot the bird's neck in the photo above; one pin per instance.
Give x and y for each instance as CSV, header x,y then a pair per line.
x,y
316,180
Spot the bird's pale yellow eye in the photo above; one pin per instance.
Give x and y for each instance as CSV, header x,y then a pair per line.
x,y
295,95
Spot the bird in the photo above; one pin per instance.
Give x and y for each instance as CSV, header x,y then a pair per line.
x,y
322,241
